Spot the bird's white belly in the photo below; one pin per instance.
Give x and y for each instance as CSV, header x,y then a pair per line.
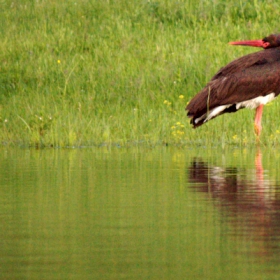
x,y
251,104
255,102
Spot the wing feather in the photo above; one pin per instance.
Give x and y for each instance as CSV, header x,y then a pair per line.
x,y
248,77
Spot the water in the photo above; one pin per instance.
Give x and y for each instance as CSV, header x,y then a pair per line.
x,y
162,213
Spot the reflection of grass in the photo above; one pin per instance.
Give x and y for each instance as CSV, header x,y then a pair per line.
x,y
91,72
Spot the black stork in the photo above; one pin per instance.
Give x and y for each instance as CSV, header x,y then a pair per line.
x,y
250,81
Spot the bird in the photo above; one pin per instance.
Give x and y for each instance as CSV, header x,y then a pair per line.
x,y
250,81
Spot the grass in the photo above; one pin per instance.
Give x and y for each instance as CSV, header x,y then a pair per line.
x,y
79,73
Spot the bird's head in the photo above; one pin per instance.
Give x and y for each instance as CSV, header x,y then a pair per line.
x,y
271,41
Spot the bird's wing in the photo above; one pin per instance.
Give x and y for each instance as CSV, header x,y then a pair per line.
x,y
247,61
243,85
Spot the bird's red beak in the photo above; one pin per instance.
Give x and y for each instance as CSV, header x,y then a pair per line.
x,y
251,43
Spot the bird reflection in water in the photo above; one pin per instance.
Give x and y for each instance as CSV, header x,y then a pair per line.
x,y
246,198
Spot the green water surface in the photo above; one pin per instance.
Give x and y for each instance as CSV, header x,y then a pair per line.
x,y
139,213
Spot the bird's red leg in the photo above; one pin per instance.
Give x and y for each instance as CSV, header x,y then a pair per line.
x,y
258,120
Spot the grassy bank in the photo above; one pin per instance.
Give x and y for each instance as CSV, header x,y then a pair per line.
x,y
83,72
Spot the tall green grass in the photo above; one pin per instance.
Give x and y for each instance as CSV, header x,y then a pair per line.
x,y
76,73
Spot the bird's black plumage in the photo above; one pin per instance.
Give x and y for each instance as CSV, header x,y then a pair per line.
x,y
246,78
